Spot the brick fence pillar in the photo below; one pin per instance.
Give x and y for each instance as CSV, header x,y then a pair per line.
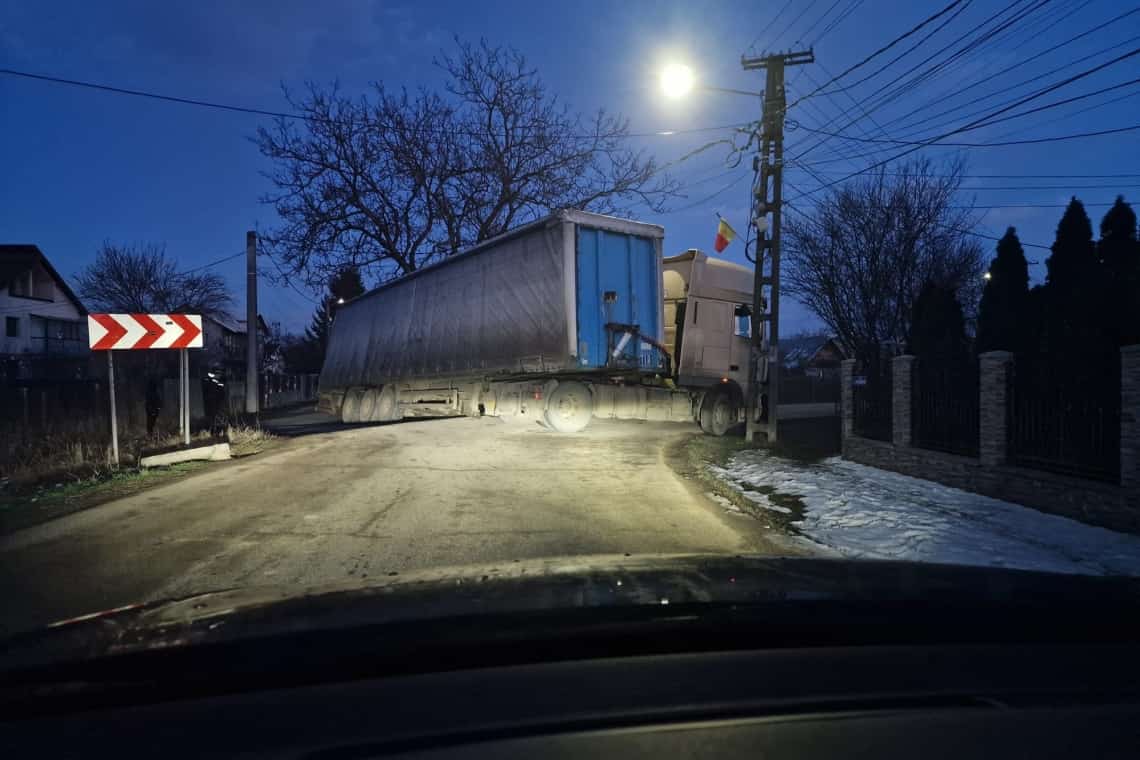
x,y
994,369
1130,418
847,397
902,378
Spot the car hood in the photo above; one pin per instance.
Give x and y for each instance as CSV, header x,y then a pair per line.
x,y
521,588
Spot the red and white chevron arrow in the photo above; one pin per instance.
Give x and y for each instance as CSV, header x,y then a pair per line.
x,y
138,331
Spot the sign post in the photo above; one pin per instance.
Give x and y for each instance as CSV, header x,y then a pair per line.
x,y
185,406
114,414
115,332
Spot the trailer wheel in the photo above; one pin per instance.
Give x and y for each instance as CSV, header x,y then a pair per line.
x,y
387,405
718,412
350,408
569,407
366,410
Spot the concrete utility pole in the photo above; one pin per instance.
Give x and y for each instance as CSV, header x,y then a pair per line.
x,y
764,369
251,397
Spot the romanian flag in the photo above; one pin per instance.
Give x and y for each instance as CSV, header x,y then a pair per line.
x,y
724,235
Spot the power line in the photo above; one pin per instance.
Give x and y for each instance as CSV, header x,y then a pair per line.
x,y
714,195
990,116
836,22
1051,187
881,50
302,117
1051,49
794,21
978,99
775,21
287,281
932,70
824,15
1008,176
1002,143
214,263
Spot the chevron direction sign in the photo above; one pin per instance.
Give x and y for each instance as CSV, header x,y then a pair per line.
x,y
140,331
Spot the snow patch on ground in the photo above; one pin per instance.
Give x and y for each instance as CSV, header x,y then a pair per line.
x,y
861,511
725,504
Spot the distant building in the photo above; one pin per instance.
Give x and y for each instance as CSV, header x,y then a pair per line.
x,y
224,341
811,355
45,323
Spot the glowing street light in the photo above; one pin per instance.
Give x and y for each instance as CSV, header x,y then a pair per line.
x,y
340,301
677,80
987,276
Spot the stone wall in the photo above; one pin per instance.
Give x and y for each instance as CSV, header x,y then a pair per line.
x,y
1111,506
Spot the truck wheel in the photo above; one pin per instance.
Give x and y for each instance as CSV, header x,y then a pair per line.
x,y
387,405
367,409
718,412
569,407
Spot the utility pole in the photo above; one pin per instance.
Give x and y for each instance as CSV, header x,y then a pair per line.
x,y
764,367
251,397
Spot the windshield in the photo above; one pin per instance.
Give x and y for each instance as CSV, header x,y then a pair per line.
x,y
338,297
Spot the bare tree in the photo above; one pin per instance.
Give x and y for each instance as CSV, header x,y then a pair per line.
x,y
141,279
386,183
861,257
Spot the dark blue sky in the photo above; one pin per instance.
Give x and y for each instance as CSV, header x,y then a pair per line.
x,y
81,166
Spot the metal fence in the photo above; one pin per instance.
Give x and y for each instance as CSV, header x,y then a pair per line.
x,y
944,398
872,396
808,389
1064,415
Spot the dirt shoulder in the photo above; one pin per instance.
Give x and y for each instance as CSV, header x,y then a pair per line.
x,y
23,505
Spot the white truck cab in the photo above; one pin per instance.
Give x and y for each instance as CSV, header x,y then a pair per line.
x,y
708,323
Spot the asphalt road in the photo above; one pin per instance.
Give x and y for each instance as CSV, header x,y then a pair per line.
x,y
336,505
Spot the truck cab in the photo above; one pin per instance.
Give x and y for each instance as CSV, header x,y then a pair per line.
x,y
708,329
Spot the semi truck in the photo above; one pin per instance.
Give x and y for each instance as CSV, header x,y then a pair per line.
x,y
571,317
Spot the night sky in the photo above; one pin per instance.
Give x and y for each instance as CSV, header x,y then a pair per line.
x,y
81,166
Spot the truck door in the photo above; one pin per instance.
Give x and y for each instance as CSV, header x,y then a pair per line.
x,y
619,283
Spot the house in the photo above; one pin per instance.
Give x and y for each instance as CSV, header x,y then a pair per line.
x,y
812,355
45,323
224,341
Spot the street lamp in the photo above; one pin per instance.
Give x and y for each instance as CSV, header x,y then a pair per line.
x,y
678,80
339,301
987,276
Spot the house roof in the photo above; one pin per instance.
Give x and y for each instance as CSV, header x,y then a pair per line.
x,y
237,325
16,257
795,351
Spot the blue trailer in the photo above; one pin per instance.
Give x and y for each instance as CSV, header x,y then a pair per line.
x,y
560,320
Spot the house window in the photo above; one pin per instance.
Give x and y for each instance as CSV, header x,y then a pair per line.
x,y
13,327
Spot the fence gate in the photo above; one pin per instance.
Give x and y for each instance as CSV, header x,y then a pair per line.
x,y
944,397
1065,415
872,394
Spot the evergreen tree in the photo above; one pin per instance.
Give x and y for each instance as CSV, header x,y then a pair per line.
x,y
345,286
937,327
1074,287
1119,253
308,354
1001,314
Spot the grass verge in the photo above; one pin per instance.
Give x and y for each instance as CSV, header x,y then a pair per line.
x,y
691,457
28,505
31,500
